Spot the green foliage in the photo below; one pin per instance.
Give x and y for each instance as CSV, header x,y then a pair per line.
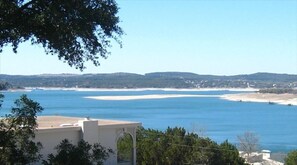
x,y
278,90
291,158
77,31
17,131
228,155
125,148
83,153
1,99
4,85
176,146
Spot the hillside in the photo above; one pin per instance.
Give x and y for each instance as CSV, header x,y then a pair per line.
x,y
152,80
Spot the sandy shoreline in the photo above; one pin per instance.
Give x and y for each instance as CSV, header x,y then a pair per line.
x,y
142,97
142,89
284,99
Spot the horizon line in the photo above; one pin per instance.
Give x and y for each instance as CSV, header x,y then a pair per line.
x,y
143,74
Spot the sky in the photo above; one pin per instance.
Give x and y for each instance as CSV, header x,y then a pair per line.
x,y
218,37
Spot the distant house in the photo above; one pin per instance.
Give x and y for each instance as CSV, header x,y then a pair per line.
x,y
260,158
53,129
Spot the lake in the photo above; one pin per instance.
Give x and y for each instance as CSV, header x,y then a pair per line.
x,y
275,125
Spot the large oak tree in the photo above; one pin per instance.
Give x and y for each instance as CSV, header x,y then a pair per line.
x,y
75,30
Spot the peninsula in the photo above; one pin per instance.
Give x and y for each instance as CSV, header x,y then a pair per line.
x,y
270,98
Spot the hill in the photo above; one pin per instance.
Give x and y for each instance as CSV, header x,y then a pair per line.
x,y
152,80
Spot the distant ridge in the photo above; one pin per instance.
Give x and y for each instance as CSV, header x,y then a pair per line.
x,y
153,80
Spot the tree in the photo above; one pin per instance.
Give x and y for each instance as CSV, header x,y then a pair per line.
x,y
4,85
83,153
76,30
248,143
230,154
176,146
291,158
17,133
125,148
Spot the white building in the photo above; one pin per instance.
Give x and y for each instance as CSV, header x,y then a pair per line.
x,y
53,129
260,158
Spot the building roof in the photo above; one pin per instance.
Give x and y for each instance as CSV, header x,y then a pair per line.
x,y
46,122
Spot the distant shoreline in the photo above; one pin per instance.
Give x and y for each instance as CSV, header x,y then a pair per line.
x,y
16,90
283,99
142,89
145,97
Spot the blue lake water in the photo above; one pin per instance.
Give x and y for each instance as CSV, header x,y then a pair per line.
x,y
276,125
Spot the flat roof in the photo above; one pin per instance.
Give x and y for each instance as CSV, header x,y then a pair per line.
x,y
45,122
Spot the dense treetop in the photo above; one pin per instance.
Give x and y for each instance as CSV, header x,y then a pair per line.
x,y
176,146
17,130
279,90
82,153
75,30
291,158
4,85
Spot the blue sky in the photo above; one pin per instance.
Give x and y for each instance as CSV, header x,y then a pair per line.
x,y
217,37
